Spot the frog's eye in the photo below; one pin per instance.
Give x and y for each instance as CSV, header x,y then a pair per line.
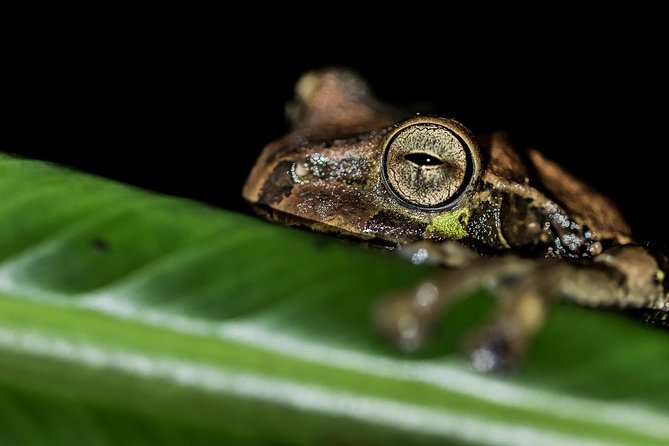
x,y
430,162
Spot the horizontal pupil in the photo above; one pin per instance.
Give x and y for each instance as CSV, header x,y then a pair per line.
x,y
423,159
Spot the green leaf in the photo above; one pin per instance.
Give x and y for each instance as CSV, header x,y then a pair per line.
x,y
132,318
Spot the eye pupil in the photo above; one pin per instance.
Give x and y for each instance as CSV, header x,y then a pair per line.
x,y
428,163
423,159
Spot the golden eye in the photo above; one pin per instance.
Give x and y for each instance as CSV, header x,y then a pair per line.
x,y
430,162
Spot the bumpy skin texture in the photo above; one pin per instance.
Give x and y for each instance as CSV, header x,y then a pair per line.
x,y
509,220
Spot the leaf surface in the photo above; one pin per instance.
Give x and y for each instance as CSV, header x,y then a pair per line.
x,y
133,318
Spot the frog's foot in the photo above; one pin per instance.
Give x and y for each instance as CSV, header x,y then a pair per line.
x,y
409,318
623,277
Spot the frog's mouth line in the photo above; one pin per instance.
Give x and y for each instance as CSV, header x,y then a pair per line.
x,y
320,228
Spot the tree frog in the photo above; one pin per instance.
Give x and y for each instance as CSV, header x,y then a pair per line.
x,y
508,220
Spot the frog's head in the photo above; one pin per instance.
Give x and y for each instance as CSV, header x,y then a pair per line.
x,y
349,167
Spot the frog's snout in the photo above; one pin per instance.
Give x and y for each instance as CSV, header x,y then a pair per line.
x,y
270,179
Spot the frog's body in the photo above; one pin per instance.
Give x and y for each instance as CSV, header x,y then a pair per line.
x,y
352,166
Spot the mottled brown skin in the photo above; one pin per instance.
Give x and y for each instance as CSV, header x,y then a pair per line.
x,y
511,221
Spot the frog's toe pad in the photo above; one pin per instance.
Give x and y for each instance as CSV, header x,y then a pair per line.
x,y
492,352
397,319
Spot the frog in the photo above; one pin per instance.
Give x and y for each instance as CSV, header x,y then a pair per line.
x,y
495,217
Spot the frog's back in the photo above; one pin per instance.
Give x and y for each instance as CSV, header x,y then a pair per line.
x,y
543,207
580,200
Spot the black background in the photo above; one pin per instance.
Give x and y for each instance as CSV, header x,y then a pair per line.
x,y
187,114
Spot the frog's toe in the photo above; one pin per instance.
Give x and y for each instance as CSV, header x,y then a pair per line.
x,y
492,351
406,319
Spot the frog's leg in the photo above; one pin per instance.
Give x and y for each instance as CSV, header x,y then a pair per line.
x,y
449,253
623,277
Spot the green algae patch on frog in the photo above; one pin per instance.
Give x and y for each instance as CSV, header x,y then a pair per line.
x,y
452,225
